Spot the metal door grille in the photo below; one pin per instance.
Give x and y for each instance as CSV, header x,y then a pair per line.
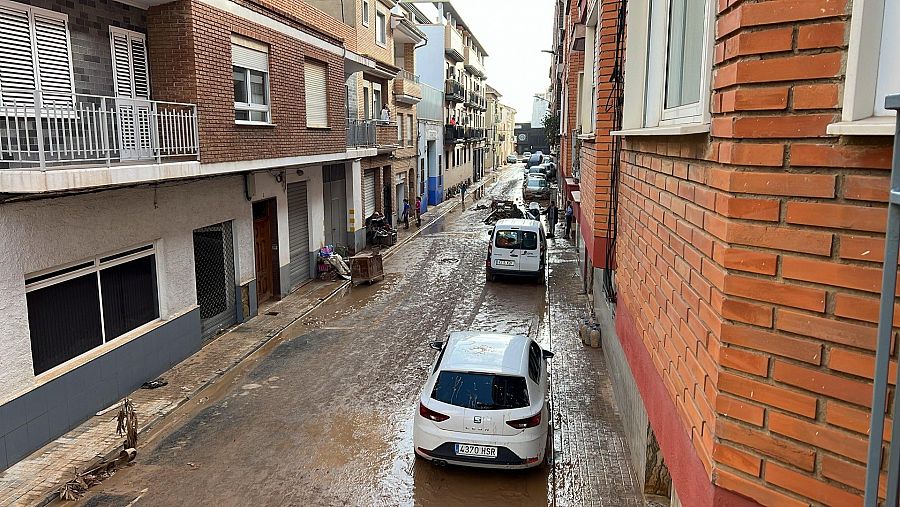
x,y
880,402
214,269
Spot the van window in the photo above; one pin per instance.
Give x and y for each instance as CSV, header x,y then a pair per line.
x,y
480,391
516,240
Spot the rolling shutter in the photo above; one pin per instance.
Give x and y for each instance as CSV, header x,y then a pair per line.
x,y
316,94
249,54
130,69
298,225
369,193
28,36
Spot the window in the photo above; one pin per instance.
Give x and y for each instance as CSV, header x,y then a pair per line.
x,y
480,391
365,13
534,362
316,87
376,100
872,72
250,66
34,55
380,28
671,54
516,240
588,80
409,130
75,309
400,136
367,104
130,69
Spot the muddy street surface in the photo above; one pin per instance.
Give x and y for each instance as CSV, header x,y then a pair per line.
x,y
324,417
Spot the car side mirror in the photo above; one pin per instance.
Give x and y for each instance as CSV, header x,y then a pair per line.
x,y
548,354
436,345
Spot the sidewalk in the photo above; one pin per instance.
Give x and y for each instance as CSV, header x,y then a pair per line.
x,y
36,479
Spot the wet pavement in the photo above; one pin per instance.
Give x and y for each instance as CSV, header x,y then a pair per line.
x,y
325,417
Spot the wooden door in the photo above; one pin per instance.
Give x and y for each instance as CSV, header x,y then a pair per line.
x,y
262,241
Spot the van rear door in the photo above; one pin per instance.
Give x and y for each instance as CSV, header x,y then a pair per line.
x,y
530,256
505,253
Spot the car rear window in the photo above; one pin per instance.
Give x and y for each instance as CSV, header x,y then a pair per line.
x,y
537,183
516,240
480,391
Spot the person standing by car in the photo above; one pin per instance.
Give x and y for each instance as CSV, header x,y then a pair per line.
x,y
570,212
552,213
404,217
418,211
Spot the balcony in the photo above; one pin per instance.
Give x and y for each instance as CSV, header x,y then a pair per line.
x,y
472,63
454,91
407,88
360,133
453,44
453,133
386,136
477,101
41,130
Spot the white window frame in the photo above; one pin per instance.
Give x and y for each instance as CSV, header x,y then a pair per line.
x,y
31,10
380,32
96,265
365,12
589,77
249,106
129,34
645,71
861,81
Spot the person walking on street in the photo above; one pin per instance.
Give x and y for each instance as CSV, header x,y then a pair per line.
x,y
570,212
552,213
462,193
418,211
405,216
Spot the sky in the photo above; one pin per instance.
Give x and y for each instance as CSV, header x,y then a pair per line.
x,y
513,32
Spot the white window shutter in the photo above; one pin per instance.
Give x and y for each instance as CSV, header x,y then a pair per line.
x,y
17,79
54,61
139,68
248,58
130,69
316,94
121,64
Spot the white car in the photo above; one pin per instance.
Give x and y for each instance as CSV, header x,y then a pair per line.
x,y
485,403
517,247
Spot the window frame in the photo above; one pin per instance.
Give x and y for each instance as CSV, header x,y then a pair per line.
x,y
366,9
646,62
308,62
861,79
380,32
251,107
95,266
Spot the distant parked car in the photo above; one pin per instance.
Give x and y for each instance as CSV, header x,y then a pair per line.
x,y
511,159
536,188
534,159
526,156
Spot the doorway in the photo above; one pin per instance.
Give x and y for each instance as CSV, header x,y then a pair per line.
x,y
334,191
387,192
214,277
265,248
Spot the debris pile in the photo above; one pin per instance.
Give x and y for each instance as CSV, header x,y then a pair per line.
x,y
501,209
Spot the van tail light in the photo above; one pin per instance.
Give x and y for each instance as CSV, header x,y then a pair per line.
x,y
528,422
490,251
427,413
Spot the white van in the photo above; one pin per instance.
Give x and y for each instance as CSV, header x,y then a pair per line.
x,y
517,247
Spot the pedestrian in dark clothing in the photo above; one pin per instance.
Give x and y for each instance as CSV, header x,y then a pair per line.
x,y
552,213
462,193
570,214
405,216
418,212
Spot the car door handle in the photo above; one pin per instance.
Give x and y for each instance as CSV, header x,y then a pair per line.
x,y
513,255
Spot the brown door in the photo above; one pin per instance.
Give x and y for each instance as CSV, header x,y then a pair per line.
x,y
262,246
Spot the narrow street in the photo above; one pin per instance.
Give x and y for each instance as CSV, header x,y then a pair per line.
x,y
326,417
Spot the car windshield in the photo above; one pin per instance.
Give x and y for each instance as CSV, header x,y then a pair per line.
x,y
480,391
516,240
535,169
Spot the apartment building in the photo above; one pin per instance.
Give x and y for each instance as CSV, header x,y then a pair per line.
x,y
500,125
745,163
453,60
143,209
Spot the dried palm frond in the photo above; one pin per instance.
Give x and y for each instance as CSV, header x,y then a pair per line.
x,y
127,424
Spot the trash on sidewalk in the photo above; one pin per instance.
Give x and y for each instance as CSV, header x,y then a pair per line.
x,y
331,263
155,384
367,267
127,424
501,208
378,231
78,485
590,334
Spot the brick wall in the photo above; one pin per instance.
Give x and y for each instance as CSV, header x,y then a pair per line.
x,y
749,260
190,61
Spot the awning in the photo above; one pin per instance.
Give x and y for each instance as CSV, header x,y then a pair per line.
x,y
576,196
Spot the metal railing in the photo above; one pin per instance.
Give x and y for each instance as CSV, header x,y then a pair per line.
x,y
883,345
360,133
409,76
455,90
40,130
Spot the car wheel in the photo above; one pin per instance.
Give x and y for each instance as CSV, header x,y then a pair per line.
x,y
488,276
542,277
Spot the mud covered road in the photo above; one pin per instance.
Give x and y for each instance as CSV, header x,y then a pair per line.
x,y
324,417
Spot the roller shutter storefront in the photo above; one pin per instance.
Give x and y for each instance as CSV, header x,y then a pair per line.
x,y
298,224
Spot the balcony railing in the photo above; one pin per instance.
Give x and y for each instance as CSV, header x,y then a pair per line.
x,y
453,42
453,133
386,135
360,133
407,88
40,130
472,64
476,100
455,91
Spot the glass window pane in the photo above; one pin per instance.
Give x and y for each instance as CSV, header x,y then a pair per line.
x,y
240,114
240,84
259,116
258,87
129,295
685,52
64,321
480,391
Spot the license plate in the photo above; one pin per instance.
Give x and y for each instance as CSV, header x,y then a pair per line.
x,y
478,451
501,262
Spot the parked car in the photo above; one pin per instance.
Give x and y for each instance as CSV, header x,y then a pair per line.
x,y
485,403
526,156
536,187
533,170
534,209
511,159
534,159
517,247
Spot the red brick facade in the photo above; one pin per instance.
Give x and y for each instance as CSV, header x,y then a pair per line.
x,y
749,263
190,57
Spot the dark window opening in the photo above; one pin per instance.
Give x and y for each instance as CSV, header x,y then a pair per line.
x,y
129,296
480,391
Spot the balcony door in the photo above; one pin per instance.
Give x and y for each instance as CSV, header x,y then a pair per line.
x,y
131,78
